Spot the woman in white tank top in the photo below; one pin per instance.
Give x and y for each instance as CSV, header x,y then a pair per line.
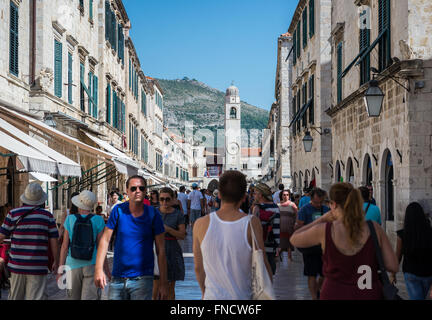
x,y
222,247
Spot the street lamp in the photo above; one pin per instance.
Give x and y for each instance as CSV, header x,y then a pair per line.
x,y
307,142
374,99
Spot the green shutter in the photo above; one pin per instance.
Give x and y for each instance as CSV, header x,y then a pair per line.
x,y
91,9
123,115
130,77
58,68
90,86
311,18
294,53
364,42
305,38
108,104
339,72
298,39
95,97
107,20
82,101
311,98
121,43
70,79
384,54
13,41
115,110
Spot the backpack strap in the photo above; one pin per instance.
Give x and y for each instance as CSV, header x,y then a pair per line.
x,y
367,208
22,218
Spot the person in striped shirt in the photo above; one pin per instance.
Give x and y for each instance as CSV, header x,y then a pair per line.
x,y
32,230
269,214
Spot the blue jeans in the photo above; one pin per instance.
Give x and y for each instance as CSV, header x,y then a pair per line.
x,y
139,288
417,287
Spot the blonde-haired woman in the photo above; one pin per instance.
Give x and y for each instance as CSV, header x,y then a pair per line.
x,y
350,266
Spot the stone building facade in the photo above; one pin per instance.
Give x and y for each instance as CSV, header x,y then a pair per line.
x,y
393,152
311,93
73,65
283,107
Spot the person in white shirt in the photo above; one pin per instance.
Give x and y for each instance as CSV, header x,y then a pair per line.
x,y
209,202
196,204
276,196
183,198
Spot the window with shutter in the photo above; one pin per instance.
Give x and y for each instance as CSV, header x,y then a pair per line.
x,y
305,38
90,90
295,48
304,119
107,21
82,94
115,111
123,115
70,79
294,106
108,104
384,54
364,43
120,43
113,31
298,40
95,96
298,108
312,99
130,74
13,40
339,72
58,68
91,9
311,18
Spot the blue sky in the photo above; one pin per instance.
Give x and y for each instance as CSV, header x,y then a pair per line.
x,y
213,41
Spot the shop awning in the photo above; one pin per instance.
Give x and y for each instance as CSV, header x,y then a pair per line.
x,y
123,163
65,166
30,159
149,175
42,177
56,133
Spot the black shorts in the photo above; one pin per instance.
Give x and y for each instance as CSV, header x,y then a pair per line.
x,y
312,265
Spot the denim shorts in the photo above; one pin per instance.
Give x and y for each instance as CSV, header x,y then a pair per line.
x,y
417,287
139,288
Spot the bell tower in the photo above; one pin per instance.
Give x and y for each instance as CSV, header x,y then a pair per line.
x,y
232,129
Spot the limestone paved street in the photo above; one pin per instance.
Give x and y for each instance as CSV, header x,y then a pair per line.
x,y
289,282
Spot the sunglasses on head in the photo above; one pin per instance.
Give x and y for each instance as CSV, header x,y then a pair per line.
x,y
134,189
164,199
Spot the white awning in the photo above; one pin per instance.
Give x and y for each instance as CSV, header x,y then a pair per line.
x,y
42,177
123,163
54,132
31,159
65,166
148,175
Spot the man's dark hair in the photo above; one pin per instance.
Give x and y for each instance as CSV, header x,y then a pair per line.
x,y
232,186
99,208
365,193
135,177
317,192
281,187
167,190
182,189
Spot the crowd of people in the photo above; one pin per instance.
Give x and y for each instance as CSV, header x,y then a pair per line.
x,y
334,231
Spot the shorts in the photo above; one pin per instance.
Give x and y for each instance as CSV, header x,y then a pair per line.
x,y
195,215
313,265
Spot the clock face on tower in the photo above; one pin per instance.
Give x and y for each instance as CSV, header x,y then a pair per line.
x,y
233,148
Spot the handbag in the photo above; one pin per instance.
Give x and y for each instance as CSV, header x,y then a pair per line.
x,y
390,291
262,287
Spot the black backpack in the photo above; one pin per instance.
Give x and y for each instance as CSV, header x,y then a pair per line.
x,y
83,244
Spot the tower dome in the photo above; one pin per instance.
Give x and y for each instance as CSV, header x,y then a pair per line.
x,y
232,91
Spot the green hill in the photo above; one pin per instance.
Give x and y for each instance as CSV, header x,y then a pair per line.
x,y
191,100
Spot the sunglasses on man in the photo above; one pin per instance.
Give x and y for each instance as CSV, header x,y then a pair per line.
x,y
134,189
164,199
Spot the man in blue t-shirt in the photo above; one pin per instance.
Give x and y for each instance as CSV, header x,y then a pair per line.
x,y
312,257
372,212
136,226
305,199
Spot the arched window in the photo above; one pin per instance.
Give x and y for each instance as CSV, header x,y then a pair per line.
x,y
367,170
350,171
389,188
338,175
233,113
